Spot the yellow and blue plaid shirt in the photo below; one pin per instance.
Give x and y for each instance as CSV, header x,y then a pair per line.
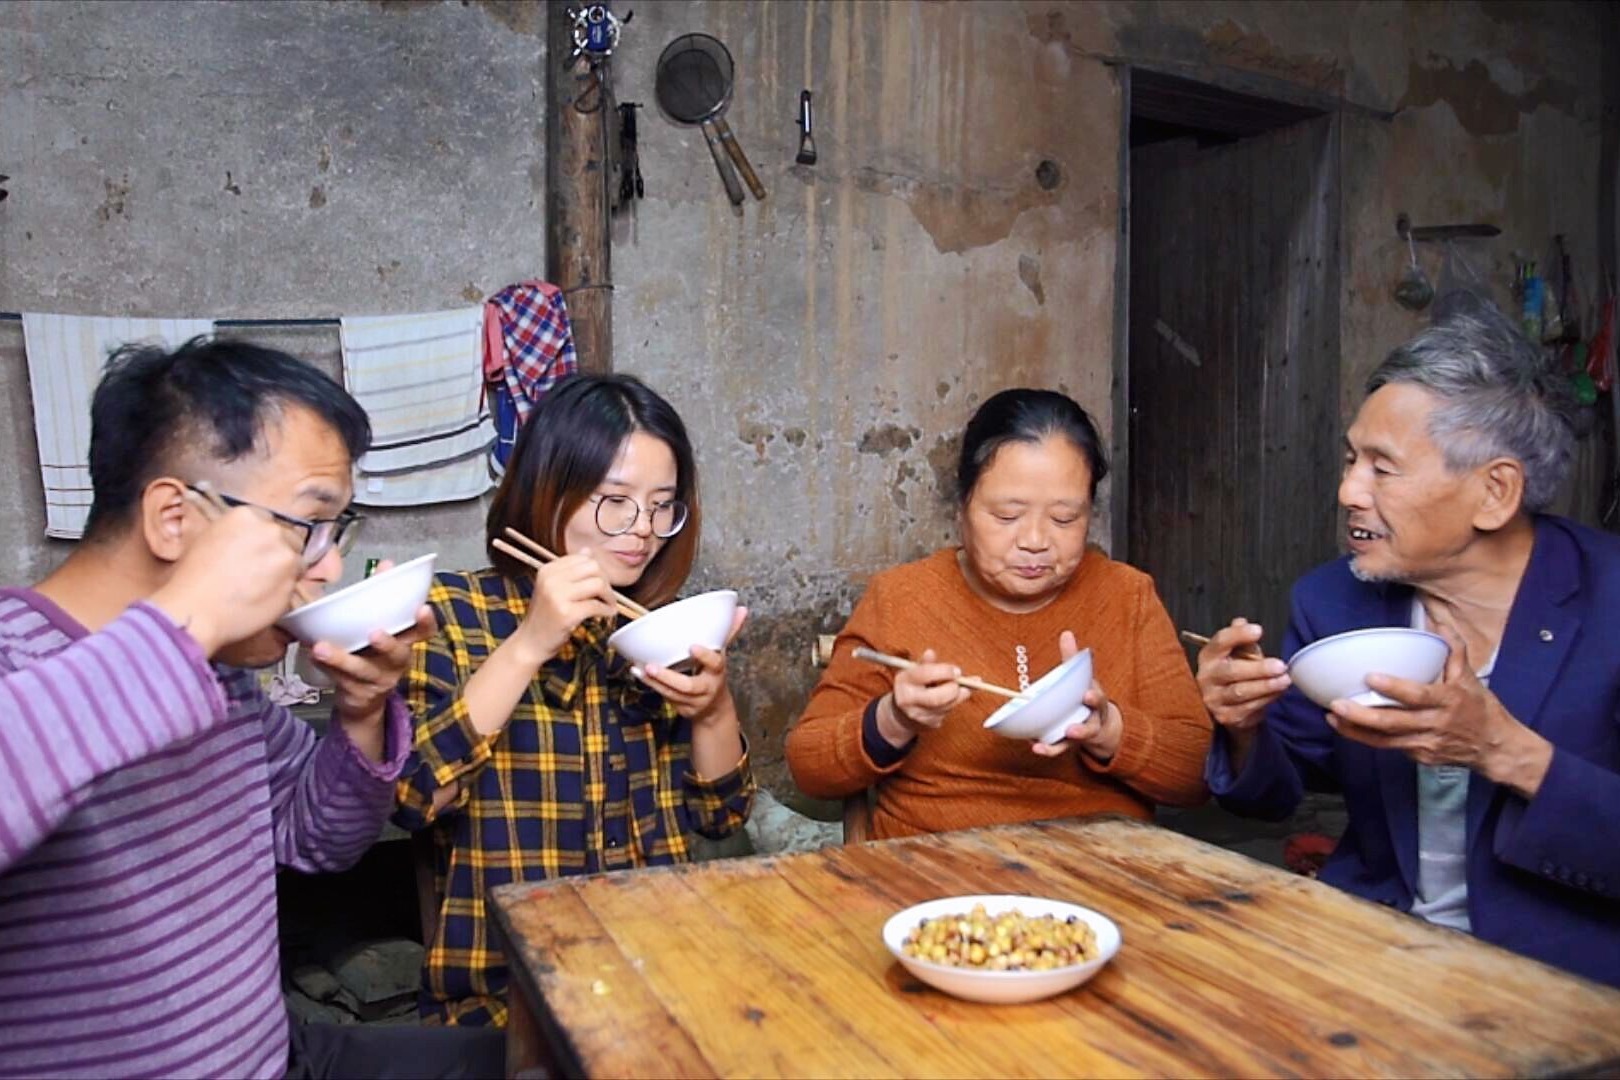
x,y
593,772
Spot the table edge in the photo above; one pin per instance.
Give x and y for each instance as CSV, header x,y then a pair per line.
x,y
564,1053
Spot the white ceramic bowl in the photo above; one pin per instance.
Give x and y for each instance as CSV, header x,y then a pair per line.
x,y
1337,667
1000,987
666,635
387,601
1052,704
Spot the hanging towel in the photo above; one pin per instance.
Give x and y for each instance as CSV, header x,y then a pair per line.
x,y
528,346
419,378
66,355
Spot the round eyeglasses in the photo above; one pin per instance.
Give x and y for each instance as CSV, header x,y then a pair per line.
x,y
618,514
321,535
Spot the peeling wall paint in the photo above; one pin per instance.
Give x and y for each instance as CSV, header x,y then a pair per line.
x,y
1482,105
874,299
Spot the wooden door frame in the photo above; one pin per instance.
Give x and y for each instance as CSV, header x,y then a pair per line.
x,y
1119,473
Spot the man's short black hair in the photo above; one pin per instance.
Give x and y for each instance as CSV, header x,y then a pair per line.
x,y
207,399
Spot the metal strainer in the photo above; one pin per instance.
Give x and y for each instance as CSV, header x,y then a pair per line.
x,y
693,85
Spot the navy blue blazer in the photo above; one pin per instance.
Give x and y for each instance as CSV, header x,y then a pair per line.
x,y
1543,874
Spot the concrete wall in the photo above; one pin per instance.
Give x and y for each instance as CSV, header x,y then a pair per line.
x,y
825,345
280,160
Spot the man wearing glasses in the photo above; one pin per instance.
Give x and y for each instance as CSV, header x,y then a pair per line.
x,y
148,790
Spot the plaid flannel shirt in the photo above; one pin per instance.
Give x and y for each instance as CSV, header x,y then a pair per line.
x,y
536,342
593,772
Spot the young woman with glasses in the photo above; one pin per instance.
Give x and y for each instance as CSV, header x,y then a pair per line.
x,y
539,753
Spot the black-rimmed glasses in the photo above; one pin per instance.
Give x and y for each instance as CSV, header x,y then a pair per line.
x,y
321,535
618,514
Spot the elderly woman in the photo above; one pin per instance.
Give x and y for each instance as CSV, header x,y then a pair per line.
x,y
1488,801
1021,593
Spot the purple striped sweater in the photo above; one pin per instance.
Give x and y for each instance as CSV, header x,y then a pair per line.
x,y
145,802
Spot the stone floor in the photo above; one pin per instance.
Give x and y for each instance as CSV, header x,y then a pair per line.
x,y
350,948
1262,840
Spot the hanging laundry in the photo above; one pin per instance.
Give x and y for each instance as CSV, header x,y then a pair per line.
x,y
66,356
528,346
419,379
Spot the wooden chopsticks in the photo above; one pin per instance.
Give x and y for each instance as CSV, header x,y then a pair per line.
x,y
203,497
1242,652
969,681
627,607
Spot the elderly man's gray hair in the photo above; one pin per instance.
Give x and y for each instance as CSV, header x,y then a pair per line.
x,y
1499,397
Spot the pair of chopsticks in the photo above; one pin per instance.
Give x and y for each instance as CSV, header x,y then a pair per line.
x,y
969,681
1242,652
627,607
205,499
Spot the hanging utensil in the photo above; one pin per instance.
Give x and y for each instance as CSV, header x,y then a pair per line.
x,y
1413,291
807,145
693,85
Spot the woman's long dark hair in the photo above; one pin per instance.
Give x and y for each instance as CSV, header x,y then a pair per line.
x,y
1028,416
563,453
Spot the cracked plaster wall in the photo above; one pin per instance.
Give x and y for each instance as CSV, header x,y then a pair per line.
x,y
826,344
279,160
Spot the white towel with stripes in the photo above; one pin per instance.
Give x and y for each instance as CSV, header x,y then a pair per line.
x,y
421,380
66,355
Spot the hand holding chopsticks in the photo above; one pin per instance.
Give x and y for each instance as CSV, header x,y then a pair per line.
x,y
627,607
902,664
1247,651
1236,679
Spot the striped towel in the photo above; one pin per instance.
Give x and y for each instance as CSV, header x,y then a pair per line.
x,y
66,355
419,378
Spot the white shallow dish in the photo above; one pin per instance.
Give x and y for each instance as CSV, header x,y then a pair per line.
x,y
387,601
1000,987
665,636
1052,705
1337,667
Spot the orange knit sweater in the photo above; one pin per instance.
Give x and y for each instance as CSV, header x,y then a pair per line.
x,y
962,775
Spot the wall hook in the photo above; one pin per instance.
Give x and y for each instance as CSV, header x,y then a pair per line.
x,y
1425,233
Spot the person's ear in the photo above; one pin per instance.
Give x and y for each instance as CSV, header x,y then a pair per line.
x,y
1501,485
167,520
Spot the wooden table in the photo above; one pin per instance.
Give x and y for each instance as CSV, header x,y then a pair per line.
x,y
773,966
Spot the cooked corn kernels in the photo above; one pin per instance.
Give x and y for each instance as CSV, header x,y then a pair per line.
x,y
1006,942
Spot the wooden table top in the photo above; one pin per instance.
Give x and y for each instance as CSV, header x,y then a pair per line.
x,y
774,966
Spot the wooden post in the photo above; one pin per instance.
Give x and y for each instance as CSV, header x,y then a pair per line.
x,y
578,252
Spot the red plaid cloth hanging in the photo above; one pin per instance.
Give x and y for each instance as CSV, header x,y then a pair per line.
x,y
528,342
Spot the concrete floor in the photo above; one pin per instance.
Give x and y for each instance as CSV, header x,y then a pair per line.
x,y
1261,840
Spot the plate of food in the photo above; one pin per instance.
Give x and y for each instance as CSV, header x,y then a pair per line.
x,y
1001,949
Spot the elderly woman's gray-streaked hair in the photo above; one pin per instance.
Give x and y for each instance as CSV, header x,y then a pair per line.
x,y
1499,397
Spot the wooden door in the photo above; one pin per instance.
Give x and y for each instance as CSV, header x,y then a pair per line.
x,y
1233,383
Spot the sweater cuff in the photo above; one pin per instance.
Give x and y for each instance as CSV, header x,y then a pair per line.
x,y
882,753
396,723
451,746
1134,753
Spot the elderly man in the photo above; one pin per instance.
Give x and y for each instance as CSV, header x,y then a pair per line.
x,y
1488,801
146,795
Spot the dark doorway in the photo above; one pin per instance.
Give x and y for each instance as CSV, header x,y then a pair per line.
x,y
1231,368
